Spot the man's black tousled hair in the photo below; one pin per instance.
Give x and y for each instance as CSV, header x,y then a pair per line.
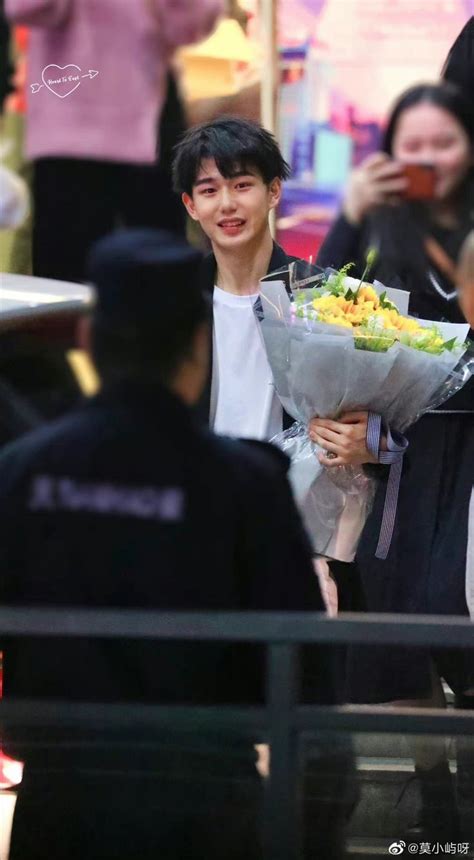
x,y
235,144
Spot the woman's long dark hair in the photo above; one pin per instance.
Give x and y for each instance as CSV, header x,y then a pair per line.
x,y
398,232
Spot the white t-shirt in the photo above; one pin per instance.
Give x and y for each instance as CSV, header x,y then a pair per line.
x,y
243,398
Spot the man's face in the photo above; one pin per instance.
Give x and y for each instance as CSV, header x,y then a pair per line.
x,y
232,212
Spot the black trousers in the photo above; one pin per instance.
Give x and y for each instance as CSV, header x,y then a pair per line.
x,y
133,816
191,807
78,201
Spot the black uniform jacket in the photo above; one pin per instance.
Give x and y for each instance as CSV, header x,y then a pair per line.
x,y
128,502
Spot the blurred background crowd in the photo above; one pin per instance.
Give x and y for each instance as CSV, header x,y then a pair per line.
x,y
341,66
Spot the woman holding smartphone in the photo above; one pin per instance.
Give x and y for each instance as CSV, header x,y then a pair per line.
x,y
418,231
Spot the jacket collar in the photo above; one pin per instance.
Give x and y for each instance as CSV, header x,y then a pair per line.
x,y
150,398
208,267
278,260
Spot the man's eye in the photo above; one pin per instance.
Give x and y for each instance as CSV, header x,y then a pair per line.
x,y
207,191
244,185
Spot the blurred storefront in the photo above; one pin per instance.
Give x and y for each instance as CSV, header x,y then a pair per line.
x,y
342,64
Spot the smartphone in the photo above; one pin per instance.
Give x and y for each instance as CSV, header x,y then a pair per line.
x,y
421,181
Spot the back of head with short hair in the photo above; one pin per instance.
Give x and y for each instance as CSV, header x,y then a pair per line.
x,y
149,304
235,144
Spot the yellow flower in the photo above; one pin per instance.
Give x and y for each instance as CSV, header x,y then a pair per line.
x,y
339,310
331,319
325,303
368,293
390,319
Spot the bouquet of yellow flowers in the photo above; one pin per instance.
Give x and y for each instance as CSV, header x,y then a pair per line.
x,y
373,318
336,344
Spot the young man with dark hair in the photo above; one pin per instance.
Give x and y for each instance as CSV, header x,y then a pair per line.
x,y
230,173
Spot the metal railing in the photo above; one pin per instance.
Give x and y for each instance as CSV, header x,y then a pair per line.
x,y
281,721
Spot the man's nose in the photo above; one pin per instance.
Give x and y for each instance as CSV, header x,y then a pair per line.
x,y
227,200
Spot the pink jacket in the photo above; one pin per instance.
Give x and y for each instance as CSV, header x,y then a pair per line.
x,y
97,72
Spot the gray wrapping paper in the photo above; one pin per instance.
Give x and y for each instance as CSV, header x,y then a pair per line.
x,y
318,371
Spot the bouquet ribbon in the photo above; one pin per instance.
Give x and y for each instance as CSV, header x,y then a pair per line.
x,y
393,457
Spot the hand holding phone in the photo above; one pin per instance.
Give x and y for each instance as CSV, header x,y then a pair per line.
x,y
377,181
381,181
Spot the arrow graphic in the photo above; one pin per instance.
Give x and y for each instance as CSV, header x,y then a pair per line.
x,y
50,84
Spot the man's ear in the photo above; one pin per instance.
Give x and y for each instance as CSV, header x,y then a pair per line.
x,y
190,379
84,334
275,190
190,207
80,359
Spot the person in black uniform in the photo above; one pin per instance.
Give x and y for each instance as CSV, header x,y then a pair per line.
x,y
418,246
129,502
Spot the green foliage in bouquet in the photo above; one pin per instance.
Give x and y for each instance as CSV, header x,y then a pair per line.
x,y
374,319
429,340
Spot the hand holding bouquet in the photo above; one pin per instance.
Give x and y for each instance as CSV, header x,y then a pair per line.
x,y
336,346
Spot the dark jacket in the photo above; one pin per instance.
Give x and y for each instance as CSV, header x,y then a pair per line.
x,y
84,522
278,260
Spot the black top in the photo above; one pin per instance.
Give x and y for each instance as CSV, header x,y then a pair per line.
x,y
278,260
127,502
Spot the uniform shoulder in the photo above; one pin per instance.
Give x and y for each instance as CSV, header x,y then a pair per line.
x,y
267,453
258,457
29,449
